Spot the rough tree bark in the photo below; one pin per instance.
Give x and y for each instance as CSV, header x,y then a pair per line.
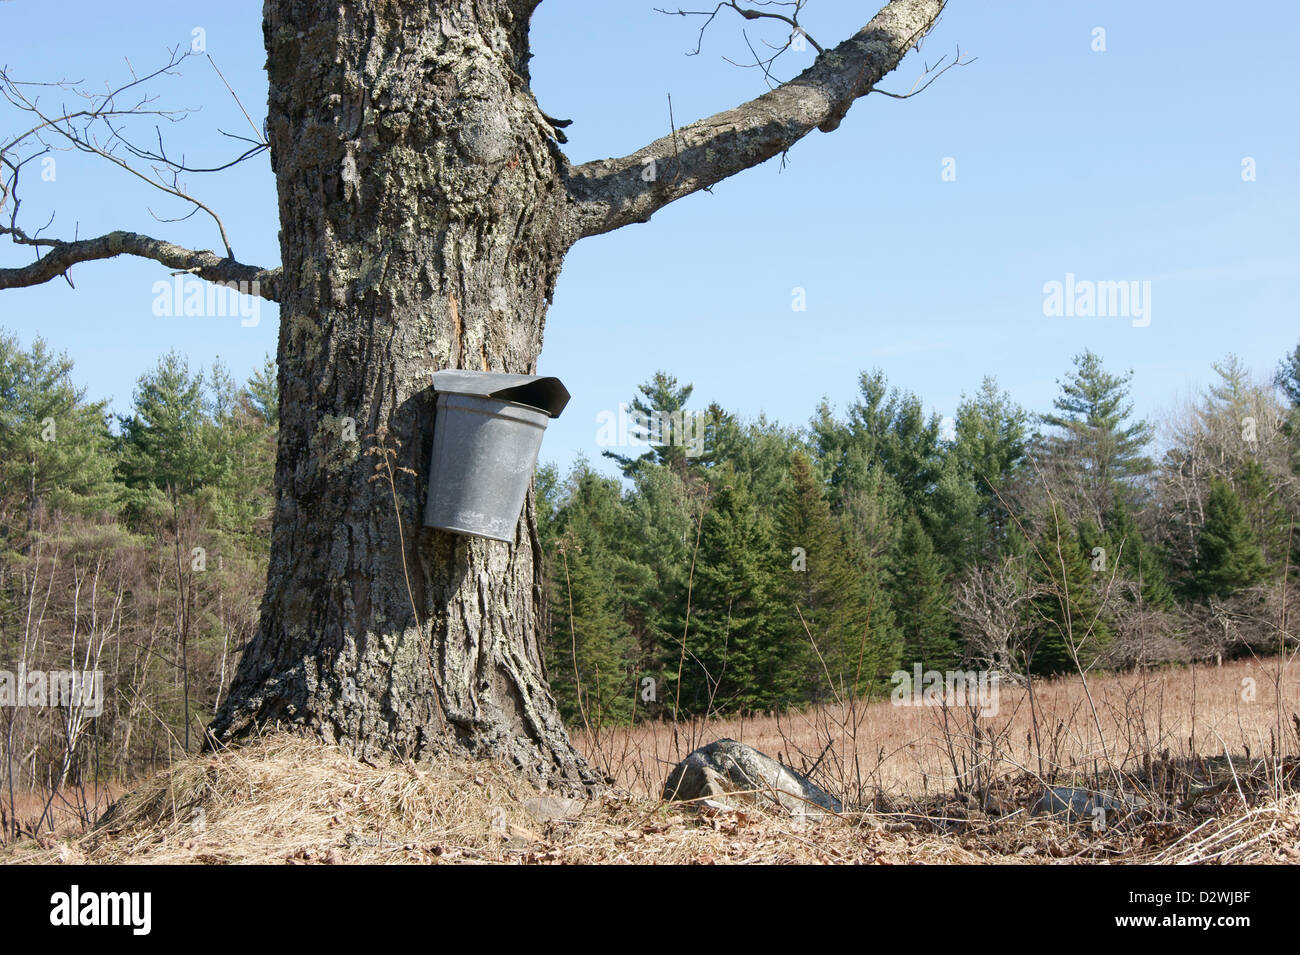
x,y
425,210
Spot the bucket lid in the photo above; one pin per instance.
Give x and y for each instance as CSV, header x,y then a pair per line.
x,y
545,394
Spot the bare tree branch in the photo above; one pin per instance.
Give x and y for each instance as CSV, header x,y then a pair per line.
x,y
931,74
61,256
610,193
748,14
98,128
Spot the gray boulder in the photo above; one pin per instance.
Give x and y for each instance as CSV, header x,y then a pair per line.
x,y
1080,804
728,775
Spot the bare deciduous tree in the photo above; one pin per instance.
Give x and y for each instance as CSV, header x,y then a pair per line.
x,y
990,606
425,209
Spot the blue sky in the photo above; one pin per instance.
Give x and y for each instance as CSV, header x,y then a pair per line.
x,y
1122,165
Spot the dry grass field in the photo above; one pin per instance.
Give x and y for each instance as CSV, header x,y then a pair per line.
x,y
1245,709
71,808
1188,739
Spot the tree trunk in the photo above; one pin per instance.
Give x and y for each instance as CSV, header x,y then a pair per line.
x,y
423,223
425,210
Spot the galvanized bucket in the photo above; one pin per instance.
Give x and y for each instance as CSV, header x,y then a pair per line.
x,y
486,434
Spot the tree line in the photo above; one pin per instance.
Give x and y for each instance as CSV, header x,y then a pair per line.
x,y
788,566
134,545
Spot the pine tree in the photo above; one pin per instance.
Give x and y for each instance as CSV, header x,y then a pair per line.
x,y
54,445
990,449
656,548
1229,557
952,517
656,411
239,434
887,427
812,576
830,593
1139,561
871,646
591,662
1265,510
1097,453
264,392
922,601
590,652
736,657
1288,377
1232,393
548,491
167,452
1069,625
760,449
1287,380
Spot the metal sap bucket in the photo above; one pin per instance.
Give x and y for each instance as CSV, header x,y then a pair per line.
x,y
486,435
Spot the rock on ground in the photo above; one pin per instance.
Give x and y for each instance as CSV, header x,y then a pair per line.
x,y
1073,804
726,775
549,808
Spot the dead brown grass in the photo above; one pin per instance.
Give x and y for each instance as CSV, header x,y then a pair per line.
x,y
286,799
289,800
70,808
1181,713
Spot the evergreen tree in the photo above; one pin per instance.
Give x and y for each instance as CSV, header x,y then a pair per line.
x,y
922,601
871,645
830,592
868,513
656,412
591,654
1138,560
1068,622
1288,377
1265,510
1229,557
240,441
736,657
168,450
760,449
1097,452
1232,393
990,449
952,516
656,547
54,445
592,658
1287,380
263,390
885,427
